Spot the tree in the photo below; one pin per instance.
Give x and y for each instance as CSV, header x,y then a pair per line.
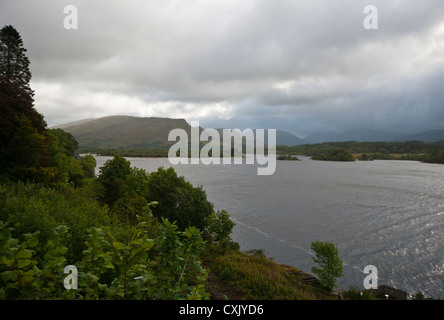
x,y
330,265
220,226
337,154
112,178
66,141
178,200
28,153
24,141
128,207
88,163
14,64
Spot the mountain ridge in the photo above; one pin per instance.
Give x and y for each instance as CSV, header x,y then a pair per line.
x,y
130,132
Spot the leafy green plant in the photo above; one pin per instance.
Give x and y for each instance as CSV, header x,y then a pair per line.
x,y
178,199
177,265
330,265
167,267
219,225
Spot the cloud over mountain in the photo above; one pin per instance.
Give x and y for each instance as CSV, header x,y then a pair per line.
x,y
300,66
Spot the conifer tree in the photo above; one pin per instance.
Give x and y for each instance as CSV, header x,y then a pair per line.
x,y
14,64
23,132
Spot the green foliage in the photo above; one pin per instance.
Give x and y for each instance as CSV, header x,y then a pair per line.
x,y
437,156
112,178
128,207
354,293
287,157
148,153
177,265
88,164
365,157
174,272
219,225
396,150
28,153
338,154
14,65
20,275
23,140
66,142
136,181
258,277
330,265
178,200
127,134
32,208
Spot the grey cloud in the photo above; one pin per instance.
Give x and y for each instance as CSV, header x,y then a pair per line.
x,y
302,66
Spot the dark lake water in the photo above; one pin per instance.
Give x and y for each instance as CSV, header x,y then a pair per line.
x,y
389,214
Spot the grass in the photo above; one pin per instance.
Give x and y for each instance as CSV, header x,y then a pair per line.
x,y
238,275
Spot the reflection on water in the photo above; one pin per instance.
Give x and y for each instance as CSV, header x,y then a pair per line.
x,y
389,214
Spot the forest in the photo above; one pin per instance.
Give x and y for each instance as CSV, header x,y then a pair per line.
x,y
396,150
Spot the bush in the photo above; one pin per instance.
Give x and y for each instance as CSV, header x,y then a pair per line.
x,y
287,157
174,273
178,200
112,178
33,207
330,265
354,293
337,154
219,225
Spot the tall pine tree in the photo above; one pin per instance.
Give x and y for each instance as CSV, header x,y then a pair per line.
x,y
14,64
24,151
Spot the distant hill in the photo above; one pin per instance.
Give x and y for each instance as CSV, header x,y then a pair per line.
x,y
136,133
284,138
124,132
73,124
362,135
127,132
426,136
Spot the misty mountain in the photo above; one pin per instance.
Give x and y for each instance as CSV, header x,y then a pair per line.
x,y
370,135
426,136
127,132
124,132
358,135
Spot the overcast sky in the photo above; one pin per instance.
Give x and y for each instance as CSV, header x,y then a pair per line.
x,y
303,66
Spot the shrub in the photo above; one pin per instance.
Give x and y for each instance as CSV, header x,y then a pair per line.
x,y
33,207
178,200
112,178
330,265
219,225
337,154
174,273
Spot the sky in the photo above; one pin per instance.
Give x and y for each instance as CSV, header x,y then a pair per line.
x,y
302,66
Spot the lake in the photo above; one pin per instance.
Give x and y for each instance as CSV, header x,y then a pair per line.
x,y
389,214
